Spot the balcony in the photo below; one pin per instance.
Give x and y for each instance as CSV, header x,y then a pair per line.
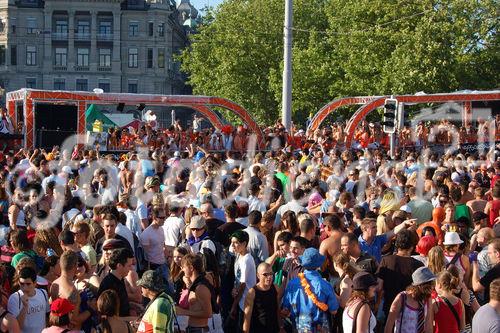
x,y
82,36
60,68
82,68
59,36
104,69
105,37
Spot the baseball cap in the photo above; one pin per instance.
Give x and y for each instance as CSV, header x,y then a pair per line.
x,y
61,307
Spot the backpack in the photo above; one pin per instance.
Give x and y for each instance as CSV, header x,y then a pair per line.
x,y
225,259
44,293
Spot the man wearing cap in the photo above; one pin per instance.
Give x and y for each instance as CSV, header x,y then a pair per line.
x,y
152,186
199,236
159,314
309,298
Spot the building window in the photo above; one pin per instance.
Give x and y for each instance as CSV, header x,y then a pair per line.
x,y
59,84
13,55
133,29
62,27
31,25
2,55
150,29
133,55
61,58
31,55
161,58
31,83
83,28
13,25
104,85
150,58
82,57
104,57
105,28
132,86
82,84
161,29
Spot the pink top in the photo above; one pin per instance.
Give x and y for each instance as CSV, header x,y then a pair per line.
x,y
56,329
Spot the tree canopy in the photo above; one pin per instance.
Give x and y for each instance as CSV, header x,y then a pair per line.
x,y
342,48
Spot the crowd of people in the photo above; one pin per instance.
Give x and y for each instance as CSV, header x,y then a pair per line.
x,y
305,237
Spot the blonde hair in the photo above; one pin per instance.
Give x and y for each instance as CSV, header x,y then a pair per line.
x,y
448,281
436,260
343,261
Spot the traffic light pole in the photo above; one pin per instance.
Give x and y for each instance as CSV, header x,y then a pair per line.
x,y
286,116
392,145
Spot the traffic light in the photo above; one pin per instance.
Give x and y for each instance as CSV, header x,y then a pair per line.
x,y
390,115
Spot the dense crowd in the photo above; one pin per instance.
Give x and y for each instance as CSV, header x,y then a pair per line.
x,y
191,231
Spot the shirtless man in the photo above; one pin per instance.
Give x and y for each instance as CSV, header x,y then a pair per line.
x,y
200,296
63,287
331,246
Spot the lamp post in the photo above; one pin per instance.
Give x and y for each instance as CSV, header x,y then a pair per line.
x,y
286,117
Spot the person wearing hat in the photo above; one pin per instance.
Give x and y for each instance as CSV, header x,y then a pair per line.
x,y
308,298
151,186
59,320
159,314
454,256
411,310
199,238
357,316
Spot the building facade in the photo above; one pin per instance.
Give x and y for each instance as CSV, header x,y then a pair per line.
x,y
118,46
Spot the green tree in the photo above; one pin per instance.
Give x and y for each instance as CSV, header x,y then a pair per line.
x,y
343,48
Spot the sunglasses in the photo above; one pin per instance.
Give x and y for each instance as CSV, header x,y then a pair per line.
x,y
267,274
196,229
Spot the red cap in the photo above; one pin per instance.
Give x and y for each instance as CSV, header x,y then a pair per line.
x,y
61,306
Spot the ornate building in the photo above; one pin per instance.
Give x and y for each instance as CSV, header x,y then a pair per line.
x,y
118,46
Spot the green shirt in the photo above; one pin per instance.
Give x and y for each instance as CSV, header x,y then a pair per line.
x,y
17,258
159,316
278,271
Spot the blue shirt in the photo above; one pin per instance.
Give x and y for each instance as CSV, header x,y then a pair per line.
x,y
375,248
306,316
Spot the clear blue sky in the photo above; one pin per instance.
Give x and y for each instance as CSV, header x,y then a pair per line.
x,y
199,4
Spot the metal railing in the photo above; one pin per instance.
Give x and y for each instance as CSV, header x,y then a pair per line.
x,y
59,36
105,36
82,36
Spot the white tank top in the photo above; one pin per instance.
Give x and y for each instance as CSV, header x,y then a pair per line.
x,y
20,222
348,321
